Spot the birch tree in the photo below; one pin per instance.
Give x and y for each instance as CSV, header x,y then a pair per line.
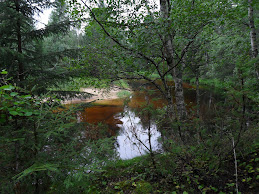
x,y
155,38
175,70
254,47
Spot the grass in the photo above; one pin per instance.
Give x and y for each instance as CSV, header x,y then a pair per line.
x,y
122,84
76,83
156,76
123,94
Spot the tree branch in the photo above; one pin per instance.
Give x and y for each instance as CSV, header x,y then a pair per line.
x,y
117,41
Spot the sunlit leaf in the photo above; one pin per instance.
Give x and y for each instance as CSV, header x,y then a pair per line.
x,y
7,87
4,72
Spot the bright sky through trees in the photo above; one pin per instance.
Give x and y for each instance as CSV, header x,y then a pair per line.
x,y
42,18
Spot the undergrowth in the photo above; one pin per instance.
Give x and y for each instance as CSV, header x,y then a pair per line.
x,y
174,173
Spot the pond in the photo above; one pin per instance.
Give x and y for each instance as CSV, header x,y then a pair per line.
x,y
134,134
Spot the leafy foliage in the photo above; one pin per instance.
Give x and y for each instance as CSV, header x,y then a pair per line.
x,y
41,144
45,149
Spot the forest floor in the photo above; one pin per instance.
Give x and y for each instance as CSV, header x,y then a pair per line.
x,y
170,174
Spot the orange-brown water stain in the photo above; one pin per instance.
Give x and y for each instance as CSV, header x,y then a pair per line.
x,y
108,111
140,99
102,111
105,110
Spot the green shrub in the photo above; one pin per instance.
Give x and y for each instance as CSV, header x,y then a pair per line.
x,y
123,94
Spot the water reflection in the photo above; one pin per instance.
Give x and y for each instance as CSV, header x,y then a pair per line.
x,y
130,130
133,139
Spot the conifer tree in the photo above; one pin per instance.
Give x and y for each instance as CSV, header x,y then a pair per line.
x,y
21,44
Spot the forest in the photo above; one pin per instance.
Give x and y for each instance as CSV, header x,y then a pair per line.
x,y
129,96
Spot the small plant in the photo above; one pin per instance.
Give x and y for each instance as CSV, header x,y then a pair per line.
x,y
122,84
143,187
123,94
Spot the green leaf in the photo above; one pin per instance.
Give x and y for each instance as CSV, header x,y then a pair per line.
x,y
28,114
4,72
214,189
13,94
20,114
35,168
13,113
7,87
26,96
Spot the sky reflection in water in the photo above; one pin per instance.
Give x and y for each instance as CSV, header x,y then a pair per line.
x,y
124,123
132,135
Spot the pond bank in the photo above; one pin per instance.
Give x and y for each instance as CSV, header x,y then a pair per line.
x,y
98,94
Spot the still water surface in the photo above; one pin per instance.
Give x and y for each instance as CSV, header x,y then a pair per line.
x,y
132,134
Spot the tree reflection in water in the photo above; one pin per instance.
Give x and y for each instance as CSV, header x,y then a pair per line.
x,y
134,139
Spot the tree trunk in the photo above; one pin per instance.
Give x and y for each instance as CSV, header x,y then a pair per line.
x,y
17,149
198,108
170,105
176,72
179,96
17,158
253,34
152,155
19,43
198,96
36,177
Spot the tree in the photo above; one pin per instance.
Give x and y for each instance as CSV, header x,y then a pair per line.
x,y
21,45
169,32
42,146
254,46
175,70
28,138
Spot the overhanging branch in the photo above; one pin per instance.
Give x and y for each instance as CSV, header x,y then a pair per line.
x,y
118,42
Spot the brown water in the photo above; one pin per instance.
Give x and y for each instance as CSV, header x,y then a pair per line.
x,y
123,122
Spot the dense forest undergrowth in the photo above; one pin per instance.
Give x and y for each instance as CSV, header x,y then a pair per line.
x,y
212,45
172,173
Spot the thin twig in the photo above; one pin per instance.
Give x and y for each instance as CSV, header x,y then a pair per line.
x,y
235,158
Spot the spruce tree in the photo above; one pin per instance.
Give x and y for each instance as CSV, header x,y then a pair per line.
x,y
21,44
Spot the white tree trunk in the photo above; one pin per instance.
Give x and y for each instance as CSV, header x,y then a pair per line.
x,y
177,71
179,96
253,34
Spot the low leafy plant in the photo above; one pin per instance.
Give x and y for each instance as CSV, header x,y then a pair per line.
x,y
123,94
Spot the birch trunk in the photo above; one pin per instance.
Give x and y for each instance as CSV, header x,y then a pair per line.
x,y
176,72
179,96
253,34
